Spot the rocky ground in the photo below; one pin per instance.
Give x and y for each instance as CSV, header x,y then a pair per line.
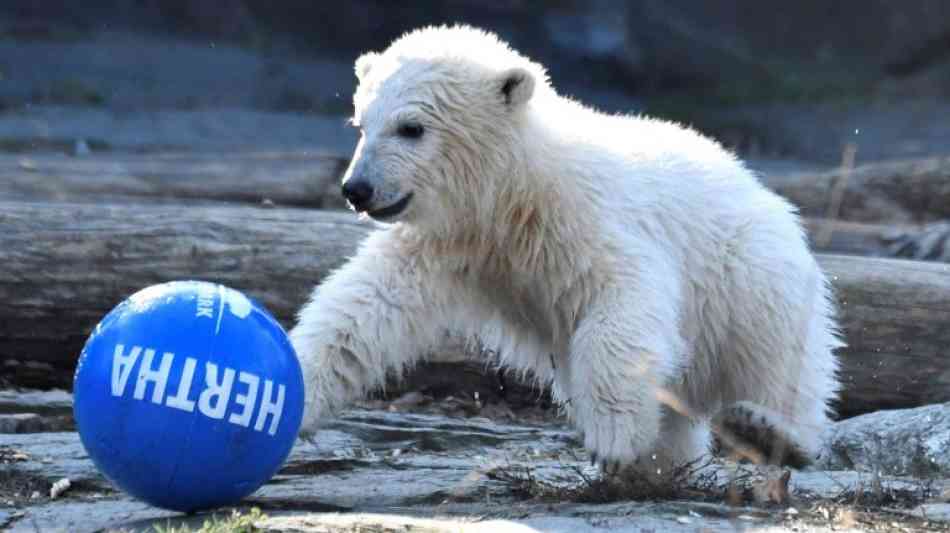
x,y
406,465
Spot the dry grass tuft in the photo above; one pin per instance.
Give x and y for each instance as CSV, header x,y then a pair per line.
x,y
875,494
692,481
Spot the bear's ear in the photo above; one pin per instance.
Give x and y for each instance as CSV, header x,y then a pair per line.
x,y
515,86
364,63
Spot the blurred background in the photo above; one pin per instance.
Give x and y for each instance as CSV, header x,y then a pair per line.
x,y
787,84
118,117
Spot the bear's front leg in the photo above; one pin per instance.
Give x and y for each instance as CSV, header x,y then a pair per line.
x,y
620,358
379,313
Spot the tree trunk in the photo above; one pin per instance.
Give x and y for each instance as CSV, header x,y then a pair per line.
x,y
895,315
284,178
852,238
930,242
65,265
902,191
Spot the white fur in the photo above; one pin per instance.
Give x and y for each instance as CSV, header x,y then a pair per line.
x,y
633,265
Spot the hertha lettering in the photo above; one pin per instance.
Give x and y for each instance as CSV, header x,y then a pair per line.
x,y
220,388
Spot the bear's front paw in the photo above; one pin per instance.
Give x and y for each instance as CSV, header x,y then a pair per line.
x,y
615,441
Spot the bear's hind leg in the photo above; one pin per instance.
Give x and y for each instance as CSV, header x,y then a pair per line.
x,y
759,434
777,373
781,410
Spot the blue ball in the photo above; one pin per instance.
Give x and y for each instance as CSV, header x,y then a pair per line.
x,y
188,395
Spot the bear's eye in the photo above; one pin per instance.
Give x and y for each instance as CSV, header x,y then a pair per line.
x,y
410,130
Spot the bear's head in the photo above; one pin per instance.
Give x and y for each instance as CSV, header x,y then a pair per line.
x,y
440,114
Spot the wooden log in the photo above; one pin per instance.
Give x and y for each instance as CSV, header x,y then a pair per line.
x,y
291,179
65,265
895,315
62,266
852,238
930,242
284,178
902,191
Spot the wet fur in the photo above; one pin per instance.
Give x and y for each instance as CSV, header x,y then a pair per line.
x,y
632,265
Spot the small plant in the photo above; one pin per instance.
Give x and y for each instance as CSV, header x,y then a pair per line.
x,y
236,523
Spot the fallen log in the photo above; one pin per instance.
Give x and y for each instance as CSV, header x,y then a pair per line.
x,y
284,178
62,266
901,191
895,315
853,238
309,179
65,265
929,242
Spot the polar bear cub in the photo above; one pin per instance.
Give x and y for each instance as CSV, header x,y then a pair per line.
x,y
632,265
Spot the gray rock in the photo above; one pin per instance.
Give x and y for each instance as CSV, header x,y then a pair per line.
x,y
363,460
392,471
627,517
899,442
833,485
933,511
20,423
567,519
53,456
6,517
34,423
32,411
35,401
382,523
87,516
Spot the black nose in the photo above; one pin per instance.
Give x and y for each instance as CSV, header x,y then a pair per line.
x,y
357,192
